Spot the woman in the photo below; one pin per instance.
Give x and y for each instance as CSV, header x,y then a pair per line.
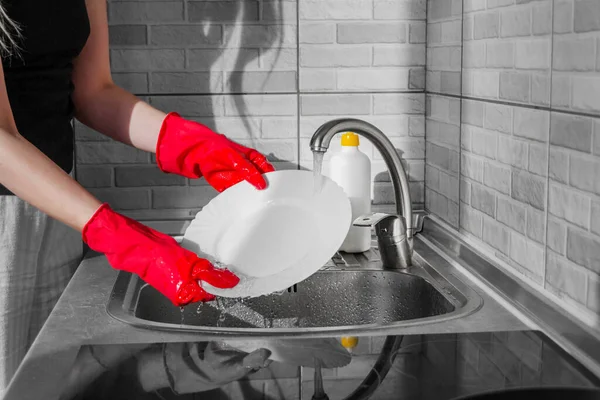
x,y
56,67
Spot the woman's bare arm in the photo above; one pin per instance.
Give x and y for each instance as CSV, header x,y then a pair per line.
x,y
102,105
32,176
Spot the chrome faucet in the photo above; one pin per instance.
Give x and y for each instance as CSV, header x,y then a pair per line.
x,y
394,232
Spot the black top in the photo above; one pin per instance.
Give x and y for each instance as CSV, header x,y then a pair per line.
x,y
39,82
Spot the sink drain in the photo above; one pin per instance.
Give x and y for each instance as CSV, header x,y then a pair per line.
x,y
293,289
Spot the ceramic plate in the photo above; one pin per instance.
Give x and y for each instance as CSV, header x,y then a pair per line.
x,y
271,238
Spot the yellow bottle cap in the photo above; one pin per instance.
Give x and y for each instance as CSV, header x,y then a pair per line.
x,y
350,139
349,342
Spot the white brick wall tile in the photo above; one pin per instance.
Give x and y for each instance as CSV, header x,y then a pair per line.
x,y
372,79
585,91
190,106
486,83
557,236
152,60
496,235
335,9
515,22
538,159
500,54
527,254
587,16
190,35
221,59
596,139
279,128
574,53
474,54
451,31
335,56
497,177
512,151
124,199
317,79
398,103
568,204
260,82
276,59
468,27
235,128
514,86
561,90
471,220
370,32
570,280
259,35
542,18
559,165
512,213
474,5
595,217
109,153
135,83
185,82
144,12
399,10
534,54
391,55
528,189
585,173
471,167
434,33
317,32
583,249
536,227
563,16
487,25
267,105
499,3
417,32
540,89
484,143
358,104
531,124
498,118
571,131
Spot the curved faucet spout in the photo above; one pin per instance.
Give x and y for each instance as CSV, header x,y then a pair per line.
x,y
322,138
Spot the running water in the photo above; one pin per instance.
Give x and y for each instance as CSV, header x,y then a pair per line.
x,y
182,314
317,167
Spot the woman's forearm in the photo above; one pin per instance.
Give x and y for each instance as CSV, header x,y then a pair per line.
x,y
120,115
33,177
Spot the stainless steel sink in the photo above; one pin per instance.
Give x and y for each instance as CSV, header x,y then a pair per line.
x,y
349,294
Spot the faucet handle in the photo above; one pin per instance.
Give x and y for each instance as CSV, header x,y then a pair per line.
x,y
386,225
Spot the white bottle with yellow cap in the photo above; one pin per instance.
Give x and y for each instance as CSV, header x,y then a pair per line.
x,y
351,169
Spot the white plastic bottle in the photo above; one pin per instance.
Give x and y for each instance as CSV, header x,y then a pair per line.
x,y
351,169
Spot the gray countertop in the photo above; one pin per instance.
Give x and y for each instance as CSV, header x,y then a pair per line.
x,y
80,317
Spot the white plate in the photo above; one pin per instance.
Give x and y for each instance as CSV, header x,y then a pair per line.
x,y
271,238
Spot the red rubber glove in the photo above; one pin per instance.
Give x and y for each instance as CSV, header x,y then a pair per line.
x,y
155,257
193,150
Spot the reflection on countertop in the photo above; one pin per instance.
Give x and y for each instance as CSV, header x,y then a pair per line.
x,y
436,367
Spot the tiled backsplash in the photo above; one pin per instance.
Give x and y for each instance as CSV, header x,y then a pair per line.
x,y
529,139
267,74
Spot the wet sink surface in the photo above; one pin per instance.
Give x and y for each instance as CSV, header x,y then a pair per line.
x,y
326,299
333,299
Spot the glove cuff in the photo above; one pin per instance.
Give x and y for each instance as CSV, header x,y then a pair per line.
x,y
96,221
177,138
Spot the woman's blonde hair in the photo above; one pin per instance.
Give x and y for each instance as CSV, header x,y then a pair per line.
x,y
10,33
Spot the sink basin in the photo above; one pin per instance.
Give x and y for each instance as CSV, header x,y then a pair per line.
x,y
325,299
352,294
